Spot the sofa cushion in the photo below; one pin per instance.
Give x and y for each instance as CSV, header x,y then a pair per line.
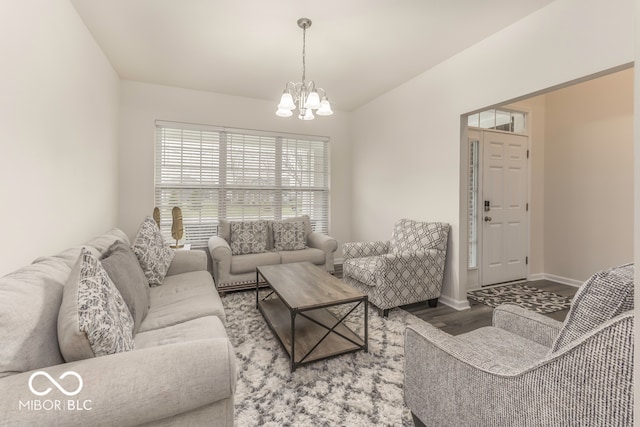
x,y
414,236
248,237
153,253
603,296
94,319
248,263
29,303
364,269
313,255
289,236
123,268
181,298
197,329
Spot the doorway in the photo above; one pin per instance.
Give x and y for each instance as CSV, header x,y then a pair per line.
x,y
498,205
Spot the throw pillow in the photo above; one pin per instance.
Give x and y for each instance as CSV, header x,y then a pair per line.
x,y
289,236
93,319
248,237
153,253
123,269
603,296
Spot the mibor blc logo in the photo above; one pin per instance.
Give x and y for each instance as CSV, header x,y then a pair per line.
x,y
55,404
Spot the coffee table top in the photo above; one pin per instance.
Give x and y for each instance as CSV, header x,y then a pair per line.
x,y
304,286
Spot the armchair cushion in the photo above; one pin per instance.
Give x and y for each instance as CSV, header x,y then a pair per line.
x,y
414,236
602,297
366,269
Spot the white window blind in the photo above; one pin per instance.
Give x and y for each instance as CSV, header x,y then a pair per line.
x,y
213,173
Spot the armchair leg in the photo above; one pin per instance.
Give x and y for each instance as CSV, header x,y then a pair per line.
x,y
433,302
416,420
383,312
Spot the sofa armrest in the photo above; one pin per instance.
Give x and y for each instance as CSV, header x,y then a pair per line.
x,y
220,251
364,249
326,243
187,261
126,389
527,324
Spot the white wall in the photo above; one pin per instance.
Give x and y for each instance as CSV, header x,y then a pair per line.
x,y
59,121
142,104
407,153
589,177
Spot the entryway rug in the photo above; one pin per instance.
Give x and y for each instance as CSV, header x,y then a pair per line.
x,y
355,389
525,296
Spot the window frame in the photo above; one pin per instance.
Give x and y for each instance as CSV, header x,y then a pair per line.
x,y
214,173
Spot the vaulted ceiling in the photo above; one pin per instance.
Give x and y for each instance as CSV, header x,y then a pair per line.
x,y
356,49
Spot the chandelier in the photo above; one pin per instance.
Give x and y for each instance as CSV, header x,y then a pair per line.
x,y
302,94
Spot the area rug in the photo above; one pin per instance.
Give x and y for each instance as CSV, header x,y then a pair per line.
x,y
354,389
525,296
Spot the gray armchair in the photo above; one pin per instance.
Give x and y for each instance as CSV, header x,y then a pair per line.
x,y
528,369
407,269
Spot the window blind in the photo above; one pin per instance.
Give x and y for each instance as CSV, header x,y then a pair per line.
x,y
220,173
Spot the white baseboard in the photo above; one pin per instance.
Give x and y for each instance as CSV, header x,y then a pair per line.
x,y
563,280
455,304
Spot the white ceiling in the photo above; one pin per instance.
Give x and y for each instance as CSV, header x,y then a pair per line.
x,y
356,49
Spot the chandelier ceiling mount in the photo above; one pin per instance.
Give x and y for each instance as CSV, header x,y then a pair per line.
x,y
304,95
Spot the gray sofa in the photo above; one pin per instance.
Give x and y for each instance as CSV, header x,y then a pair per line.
x,y
235,272
181,372
528,369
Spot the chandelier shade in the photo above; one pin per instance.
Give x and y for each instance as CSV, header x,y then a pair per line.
x,y
304,95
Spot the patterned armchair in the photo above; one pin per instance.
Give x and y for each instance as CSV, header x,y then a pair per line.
x,y
528,369
409,268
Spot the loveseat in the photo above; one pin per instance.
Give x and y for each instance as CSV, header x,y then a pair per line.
x,y
178,369
241,246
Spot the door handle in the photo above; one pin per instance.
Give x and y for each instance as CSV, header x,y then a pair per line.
x,y
487,218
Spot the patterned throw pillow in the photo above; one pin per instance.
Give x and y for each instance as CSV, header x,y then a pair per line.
x,y
248,237
152,251
289,236
93,319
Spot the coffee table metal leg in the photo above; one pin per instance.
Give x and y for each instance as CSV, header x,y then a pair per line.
x,y
366,325
293,340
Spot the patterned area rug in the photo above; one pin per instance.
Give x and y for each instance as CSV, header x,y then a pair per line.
x,y
354,389
523,295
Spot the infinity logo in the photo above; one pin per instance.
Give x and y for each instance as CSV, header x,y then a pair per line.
x,y
55,383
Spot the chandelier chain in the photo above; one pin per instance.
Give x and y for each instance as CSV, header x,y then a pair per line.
x,y
304,44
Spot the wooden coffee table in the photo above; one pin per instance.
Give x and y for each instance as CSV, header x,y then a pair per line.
x,y
295,308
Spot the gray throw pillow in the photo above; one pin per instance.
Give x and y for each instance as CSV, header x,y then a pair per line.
x,y
153,253
289,236
93,319
248,237
123,268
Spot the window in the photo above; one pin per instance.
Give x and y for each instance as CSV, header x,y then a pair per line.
x,y
505,120
235,174
473,204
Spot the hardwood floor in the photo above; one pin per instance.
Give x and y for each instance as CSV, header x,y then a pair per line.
x,y
458,322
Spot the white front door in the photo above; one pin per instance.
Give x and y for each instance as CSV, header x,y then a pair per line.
x,y
504,207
